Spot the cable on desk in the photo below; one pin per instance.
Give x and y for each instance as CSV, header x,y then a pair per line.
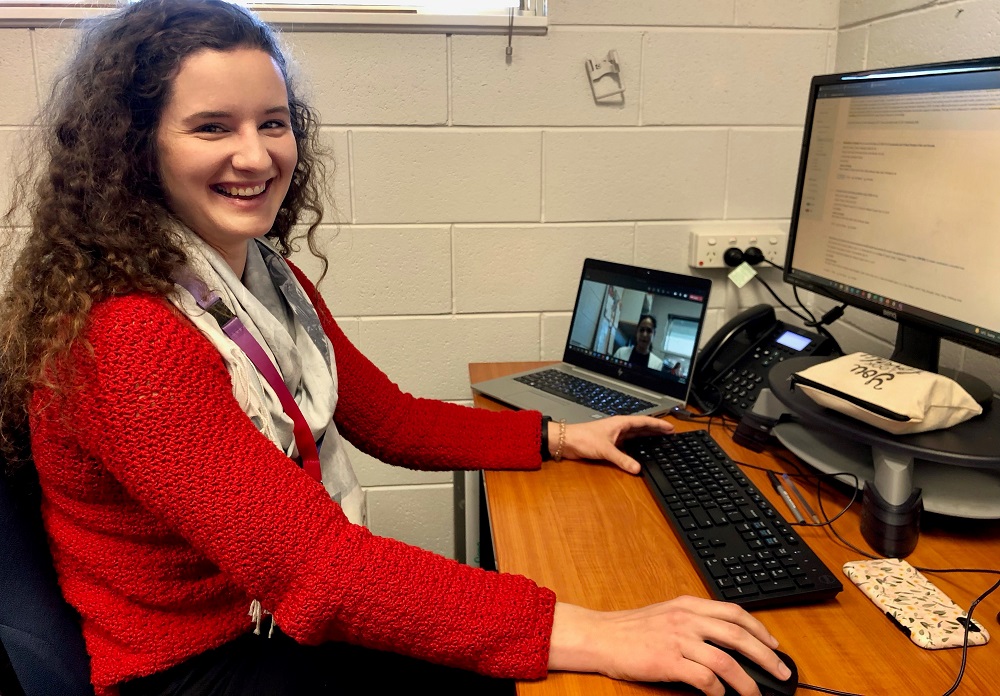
x,y
965,641
819,482
823,689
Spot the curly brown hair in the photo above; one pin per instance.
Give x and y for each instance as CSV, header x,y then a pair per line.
x,y
99,222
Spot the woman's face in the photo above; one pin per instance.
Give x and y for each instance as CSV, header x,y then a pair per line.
x,y
226,149
644,334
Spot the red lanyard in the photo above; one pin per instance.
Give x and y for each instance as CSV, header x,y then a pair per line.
x,y
234,328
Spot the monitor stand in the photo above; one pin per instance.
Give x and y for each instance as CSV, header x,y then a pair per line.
x,y
953,472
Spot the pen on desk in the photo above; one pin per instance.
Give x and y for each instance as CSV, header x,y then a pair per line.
x,y
784,496
790,483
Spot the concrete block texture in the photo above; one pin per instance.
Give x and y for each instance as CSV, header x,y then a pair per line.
x,y
546,83
52,48
17,78
351,326
418,515
638,174
852,49
391,79
388,271
527,269
430,356
947,32
855,11
446,175
809,14
660,13
337,206
762,168
555,330
738,77
664,245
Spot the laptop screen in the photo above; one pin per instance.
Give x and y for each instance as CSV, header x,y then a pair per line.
x,y
638,325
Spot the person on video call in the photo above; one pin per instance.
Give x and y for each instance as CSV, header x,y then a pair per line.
x,y
179,157
641,354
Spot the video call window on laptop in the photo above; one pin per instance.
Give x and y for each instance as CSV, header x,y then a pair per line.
x,y
630,348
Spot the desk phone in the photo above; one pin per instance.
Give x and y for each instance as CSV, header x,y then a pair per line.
x,y
732,367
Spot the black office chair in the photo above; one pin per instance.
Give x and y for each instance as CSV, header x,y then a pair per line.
x,y
41,645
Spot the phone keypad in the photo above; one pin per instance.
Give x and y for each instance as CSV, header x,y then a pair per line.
x,y
741,385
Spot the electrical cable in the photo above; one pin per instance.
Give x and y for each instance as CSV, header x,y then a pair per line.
x,y
780,301
828,318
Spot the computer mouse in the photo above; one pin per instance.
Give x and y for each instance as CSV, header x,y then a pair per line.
x,y
768,684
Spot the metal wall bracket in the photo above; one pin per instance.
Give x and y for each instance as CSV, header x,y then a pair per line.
x,y
605,77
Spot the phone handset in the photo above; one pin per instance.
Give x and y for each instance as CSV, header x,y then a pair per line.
x,y
733,366
733,339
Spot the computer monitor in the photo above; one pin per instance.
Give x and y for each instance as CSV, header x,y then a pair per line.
x,y
897,203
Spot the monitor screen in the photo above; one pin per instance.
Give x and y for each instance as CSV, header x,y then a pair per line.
x,y
897,204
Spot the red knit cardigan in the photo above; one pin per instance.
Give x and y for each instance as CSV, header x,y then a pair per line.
x,y
168,512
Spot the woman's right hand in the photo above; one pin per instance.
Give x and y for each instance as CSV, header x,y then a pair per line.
x,y
665,642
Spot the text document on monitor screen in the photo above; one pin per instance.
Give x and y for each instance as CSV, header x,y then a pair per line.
x,y
900,200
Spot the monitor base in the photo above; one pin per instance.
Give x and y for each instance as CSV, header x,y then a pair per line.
x,y
950,490
892,530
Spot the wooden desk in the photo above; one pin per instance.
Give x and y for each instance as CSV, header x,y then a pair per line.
x,y
595,535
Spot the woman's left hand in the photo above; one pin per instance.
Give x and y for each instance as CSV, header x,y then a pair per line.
x,y
600,439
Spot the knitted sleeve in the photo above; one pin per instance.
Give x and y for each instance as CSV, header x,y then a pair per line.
x,y
396,427
155,408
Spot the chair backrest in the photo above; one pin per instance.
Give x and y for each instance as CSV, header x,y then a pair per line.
x,y
39,631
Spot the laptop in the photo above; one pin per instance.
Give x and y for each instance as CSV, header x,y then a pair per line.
x,y
634,333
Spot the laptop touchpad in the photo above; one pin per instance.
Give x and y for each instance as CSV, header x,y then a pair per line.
x,y
534,401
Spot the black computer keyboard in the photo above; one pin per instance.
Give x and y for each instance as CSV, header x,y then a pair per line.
x,y
746,553
585,392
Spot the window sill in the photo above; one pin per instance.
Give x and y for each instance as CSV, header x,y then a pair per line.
x,y
306,19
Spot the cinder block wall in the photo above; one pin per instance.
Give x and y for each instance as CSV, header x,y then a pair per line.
x,y
469,190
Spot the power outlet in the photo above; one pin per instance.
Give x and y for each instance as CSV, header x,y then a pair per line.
x,y
708,246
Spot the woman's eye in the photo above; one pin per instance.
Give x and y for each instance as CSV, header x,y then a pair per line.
x,y
274,123
210,128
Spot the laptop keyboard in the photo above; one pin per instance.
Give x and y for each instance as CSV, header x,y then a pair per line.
x,y
745,552
584,392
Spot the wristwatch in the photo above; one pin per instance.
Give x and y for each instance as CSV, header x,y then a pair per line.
x,y
546,455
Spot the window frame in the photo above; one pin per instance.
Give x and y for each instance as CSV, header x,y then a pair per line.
x,y
533,21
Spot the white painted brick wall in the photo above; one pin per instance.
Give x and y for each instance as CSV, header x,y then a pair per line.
x,y
634,174
17,79
761,173
545,83
375,79
445,175
541,264
468,190
731,77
